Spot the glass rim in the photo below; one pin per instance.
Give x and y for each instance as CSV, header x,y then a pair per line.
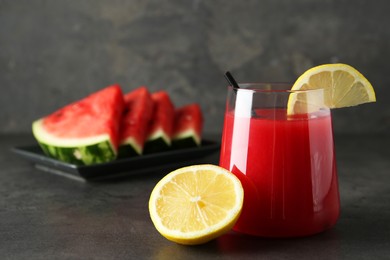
x,y
271,87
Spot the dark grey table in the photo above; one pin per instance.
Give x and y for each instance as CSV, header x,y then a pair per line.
x,y
44,216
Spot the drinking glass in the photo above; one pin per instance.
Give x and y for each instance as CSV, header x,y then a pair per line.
x,y
279,143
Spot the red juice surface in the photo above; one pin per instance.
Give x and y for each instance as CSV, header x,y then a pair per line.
x,y
288,170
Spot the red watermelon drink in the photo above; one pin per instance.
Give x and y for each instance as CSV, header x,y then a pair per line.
x,y
286,162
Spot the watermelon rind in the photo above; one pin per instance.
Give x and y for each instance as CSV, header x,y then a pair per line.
x,y
129,147
158,141
188,138
80,151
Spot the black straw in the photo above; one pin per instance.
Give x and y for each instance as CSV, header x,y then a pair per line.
x,y
231,80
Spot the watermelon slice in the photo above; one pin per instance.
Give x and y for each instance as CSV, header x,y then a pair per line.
x,y
161,125
135,122
188,126
84,132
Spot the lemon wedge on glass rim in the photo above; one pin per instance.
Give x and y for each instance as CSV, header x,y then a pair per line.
x,y
342,85
195,204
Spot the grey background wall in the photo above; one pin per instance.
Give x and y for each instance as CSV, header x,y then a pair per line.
x,y
53,52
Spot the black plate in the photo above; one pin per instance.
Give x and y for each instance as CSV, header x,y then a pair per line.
x,y
118,168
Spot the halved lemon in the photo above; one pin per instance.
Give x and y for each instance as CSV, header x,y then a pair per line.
x,y
195,204
343,86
